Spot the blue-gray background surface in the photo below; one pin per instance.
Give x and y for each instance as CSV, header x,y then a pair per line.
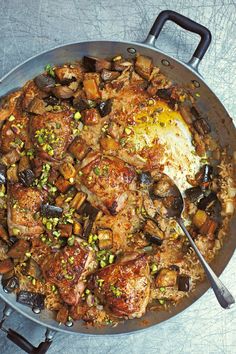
x,y
28,27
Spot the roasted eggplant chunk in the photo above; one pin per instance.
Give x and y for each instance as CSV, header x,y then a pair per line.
x,y
11,284
104,107
194,193
51,211
166,277
26,177
183,283
44,82
145,178
152,232
96,64
3,174
31,299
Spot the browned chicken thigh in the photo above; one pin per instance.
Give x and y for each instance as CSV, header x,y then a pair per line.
x,y
107,180
66,269
51,134
23,203
123,287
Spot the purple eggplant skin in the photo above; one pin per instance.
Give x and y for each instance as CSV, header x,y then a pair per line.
x,y
80,104
31,299
51,211
153,239
194,193
210,204
105,107
11,284
207,173
51,101
90,214
44,82
26,177
145,178
165,94
183,283
3,174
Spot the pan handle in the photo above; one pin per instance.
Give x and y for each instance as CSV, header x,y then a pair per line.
x,y
187,24
22,342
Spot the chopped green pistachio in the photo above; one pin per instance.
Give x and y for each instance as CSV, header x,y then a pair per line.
x,y
162,301
53,288
11,118
71,240
77,115
69,277
71,180
162,289
96,170
90,178
49,225
15,231
154,268
56,233
100,282
58,125
34,281
198,94
103,263
150,102
28,254
80,173
87,291
116,291
71,260
111,258
43,238
48,68
2,194
128,131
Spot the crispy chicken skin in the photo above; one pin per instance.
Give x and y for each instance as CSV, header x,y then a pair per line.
x,y
108,179
123,287
66,268
14,133
51,134
23,203
8,104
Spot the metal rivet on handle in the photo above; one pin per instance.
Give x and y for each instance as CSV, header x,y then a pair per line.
x,y
36,310
131,50
196,83
69,323
165,62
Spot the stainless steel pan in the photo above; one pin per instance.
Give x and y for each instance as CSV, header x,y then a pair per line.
x,y
184,74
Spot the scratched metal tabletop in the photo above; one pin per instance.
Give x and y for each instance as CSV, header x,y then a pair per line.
x,y
29,27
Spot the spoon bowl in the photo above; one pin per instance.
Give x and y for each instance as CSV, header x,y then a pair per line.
x,y
173,202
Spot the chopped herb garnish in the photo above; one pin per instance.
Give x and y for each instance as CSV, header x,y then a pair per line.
x,y
77,116
116,291
11,118
48,68
97,171
71,240
154,268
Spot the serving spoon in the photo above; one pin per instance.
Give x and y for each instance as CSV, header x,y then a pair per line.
x,y
175,207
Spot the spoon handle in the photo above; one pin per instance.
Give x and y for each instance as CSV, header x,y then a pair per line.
x,y
222,294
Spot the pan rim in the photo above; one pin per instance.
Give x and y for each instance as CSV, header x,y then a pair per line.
x,y
206,286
